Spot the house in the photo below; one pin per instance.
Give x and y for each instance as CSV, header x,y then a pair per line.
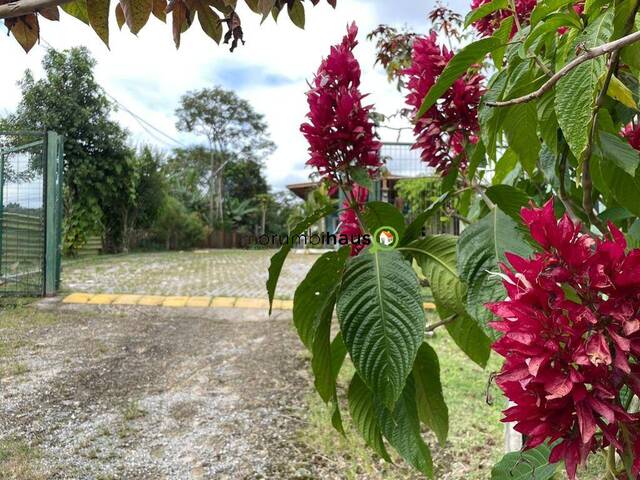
x,y
402,163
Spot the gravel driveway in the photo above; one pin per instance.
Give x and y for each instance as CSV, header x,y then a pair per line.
x,y
145,393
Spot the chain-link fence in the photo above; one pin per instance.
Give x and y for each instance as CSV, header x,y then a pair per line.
x,y
30,213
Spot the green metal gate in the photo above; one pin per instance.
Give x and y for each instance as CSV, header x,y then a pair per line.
x,y
31,165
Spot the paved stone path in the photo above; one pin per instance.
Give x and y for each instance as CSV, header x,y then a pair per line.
x,y
208,273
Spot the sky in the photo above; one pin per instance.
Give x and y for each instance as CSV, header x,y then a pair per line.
x,y
147,75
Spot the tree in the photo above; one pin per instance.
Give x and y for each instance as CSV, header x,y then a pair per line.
x,y
22,17
244,179
234,131
69,100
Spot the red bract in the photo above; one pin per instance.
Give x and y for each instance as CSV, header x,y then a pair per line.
x,y
487,25
453,121
349,223
632,134
571,338
339,131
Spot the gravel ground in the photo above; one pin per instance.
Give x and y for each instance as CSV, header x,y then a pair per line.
x,y
143,393
233,273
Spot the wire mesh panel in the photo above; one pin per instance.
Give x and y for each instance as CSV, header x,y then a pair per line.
x,y
22,213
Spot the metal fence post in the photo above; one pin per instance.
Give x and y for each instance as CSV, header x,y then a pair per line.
x,y
51,236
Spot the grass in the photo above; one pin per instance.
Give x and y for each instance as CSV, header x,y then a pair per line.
x,y
476,435
132,411
20,461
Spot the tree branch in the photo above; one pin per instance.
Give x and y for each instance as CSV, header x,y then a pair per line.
x,y
17,8
589,54
433,326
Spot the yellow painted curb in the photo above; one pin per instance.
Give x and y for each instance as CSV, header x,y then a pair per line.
x,y
102,299
127,300
151,300
77,298
199,302
175,302
223,302
252,303
179,301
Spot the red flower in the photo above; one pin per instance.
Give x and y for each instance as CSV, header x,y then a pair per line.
x,y
571,338
349,222
443,131
487,25
339,131
632,134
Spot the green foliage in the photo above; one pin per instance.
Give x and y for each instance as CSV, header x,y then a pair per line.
x,y
481,249
96,163
432,408
178,228
529,465
382,320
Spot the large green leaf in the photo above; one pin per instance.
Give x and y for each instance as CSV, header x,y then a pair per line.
x,y
436,256
576,92
209,21
551,24
545,8
136,13
401,427
432,409
528,465
509,199
338,354
296,13
382,320
490,118
277,261
481,248
383,214
470,55
502,34
77,9
614,181
363,414
414,229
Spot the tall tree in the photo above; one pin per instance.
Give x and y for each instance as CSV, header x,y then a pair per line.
x,y
233,129
69,100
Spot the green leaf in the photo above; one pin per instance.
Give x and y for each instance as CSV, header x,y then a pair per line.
x,y
620,92
361,176
547,121
98,14
550,26
363,414
77,9
545,8
432,409
507,163
414,229
338,354
277,260
436,256
210,22
612,180
469,337
481,248
470,55
484,10
490,118
296,13
382,214
401,427
382,320
509,199
521,131
528,465
502,33
576,92
312,311
618,151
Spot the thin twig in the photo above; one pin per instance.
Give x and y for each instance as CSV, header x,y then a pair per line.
x,y
487,200
589,54
433,326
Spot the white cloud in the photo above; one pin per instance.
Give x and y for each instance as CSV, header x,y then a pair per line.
x,y
148,75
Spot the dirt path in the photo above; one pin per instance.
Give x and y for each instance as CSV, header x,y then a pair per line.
x,y
144,393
